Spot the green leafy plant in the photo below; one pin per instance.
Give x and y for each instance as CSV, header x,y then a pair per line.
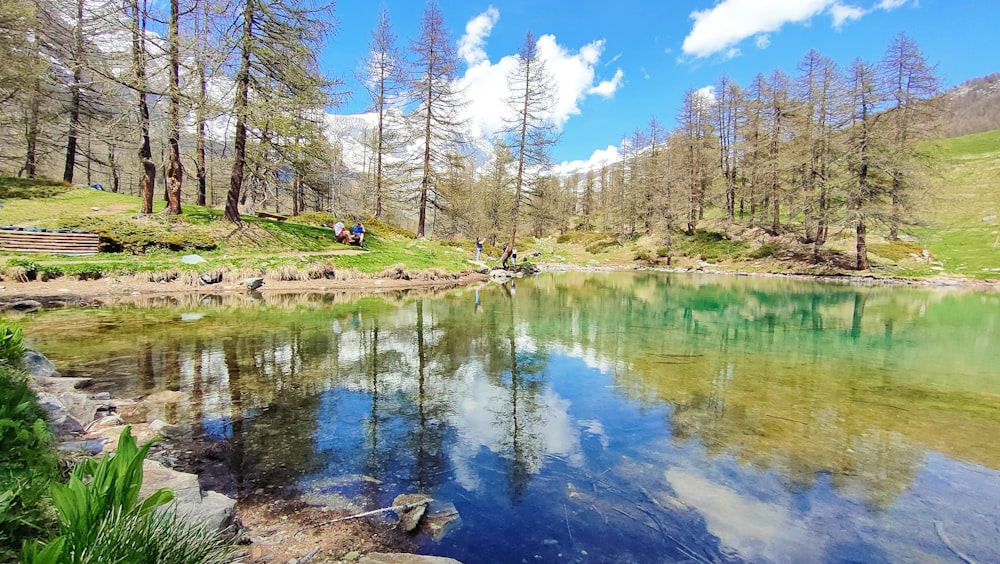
x,y
11,345
98,490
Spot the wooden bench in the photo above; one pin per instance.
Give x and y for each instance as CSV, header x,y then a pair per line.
x,y
269,215
52,242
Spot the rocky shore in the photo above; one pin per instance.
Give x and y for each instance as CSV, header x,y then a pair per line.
x,y
271,529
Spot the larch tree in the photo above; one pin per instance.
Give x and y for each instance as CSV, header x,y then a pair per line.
x,y
865,167
174,169
276,73
383,76
726,112
529,127
78,64
139,86
435,68
911,84
820,89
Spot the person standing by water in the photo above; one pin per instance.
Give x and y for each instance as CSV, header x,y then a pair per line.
x,y
479,248
513,255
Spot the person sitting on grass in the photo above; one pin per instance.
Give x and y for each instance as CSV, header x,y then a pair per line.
x,y
359,234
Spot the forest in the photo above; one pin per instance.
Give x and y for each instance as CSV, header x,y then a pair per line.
x,y
225,105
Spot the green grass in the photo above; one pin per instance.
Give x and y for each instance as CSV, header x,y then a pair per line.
x,y
963,230
155,243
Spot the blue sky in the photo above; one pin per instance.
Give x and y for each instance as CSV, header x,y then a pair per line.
x,y
620,63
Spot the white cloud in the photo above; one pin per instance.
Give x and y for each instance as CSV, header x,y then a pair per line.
x,y
893,4
471,45
601,157
842,14
721,28
763,41
485,83
607,88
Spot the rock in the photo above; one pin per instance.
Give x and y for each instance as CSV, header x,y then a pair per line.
x,y
252,284
92,447
500,274
25,306
397,558
410,518
441,519
211,277
61,422
213,508
108,422
192,259
37,365
80,406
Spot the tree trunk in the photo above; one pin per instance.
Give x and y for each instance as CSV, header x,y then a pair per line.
x,y
76,101
175,170
240,106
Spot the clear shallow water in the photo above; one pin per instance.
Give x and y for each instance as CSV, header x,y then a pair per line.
x,y
612,417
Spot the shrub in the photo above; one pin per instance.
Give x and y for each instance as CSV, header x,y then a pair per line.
x,y
28,463
763,251
140,237
600,246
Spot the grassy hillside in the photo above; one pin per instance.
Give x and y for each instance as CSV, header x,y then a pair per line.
x,y
152,246
963,211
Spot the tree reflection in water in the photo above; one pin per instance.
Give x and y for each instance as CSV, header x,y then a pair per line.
x,y
604,413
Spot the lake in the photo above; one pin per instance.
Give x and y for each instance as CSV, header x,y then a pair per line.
x,y
593,417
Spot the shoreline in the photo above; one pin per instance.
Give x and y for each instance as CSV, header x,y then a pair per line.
x,y
103,291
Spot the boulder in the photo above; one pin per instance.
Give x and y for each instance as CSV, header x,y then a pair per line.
x,y
441,519
61,422
25,306
417,506
500,274
212,508
37,365
252,284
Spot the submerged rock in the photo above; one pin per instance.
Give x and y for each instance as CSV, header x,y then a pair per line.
x,y
410,518
398,558
441,519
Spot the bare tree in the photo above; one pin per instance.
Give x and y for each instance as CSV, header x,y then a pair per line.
x,y
867,176
821,91
383,77
912,83
530,129
435,68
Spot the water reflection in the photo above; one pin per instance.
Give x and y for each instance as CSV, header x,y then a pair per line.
x,y
626,417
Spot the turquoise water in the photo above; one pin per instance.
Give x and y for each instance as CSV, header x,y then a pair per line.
x,y
606,417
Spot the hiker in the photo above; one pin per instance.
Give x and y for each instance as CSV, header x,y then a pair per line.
x,y
479,248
